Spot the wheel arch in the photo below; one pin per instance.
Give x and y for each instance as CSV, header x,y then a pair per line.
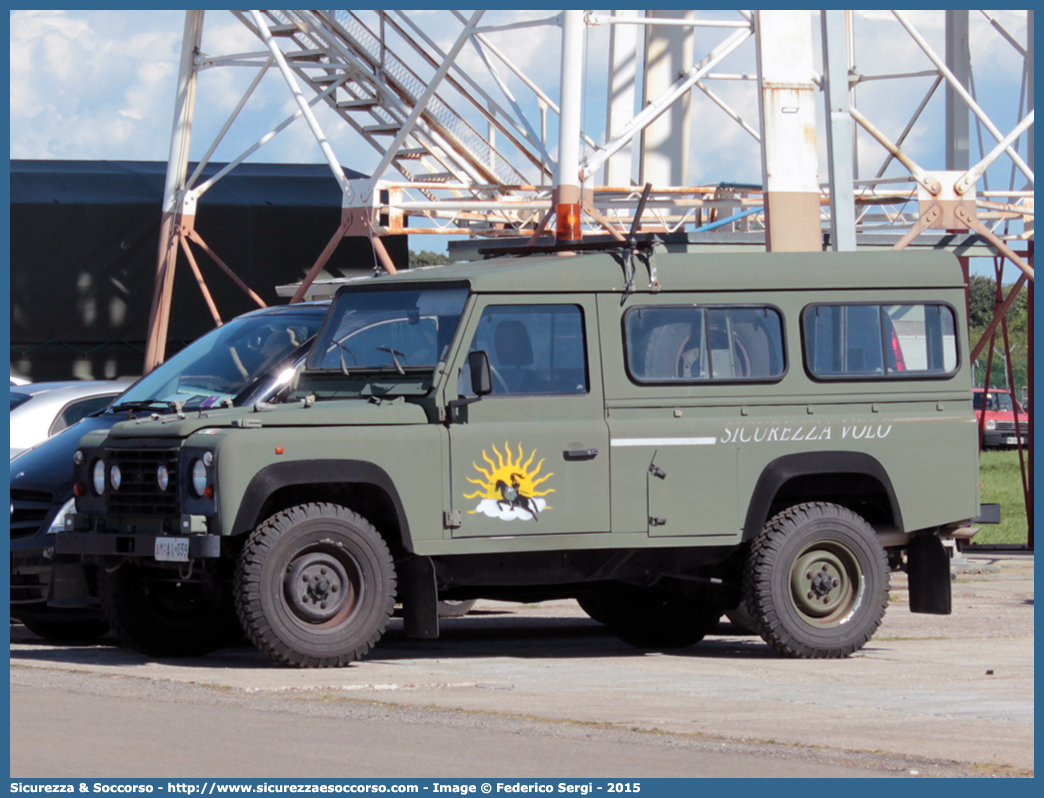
x,y
362,486
844,475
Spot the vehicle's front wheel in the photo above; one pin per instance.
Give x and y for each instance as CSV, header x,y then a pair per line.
x,y
315,586
816,581
153,611
651,617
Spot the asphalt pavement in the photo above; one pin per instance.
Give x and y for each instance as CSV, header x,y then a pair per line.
x,y
929,695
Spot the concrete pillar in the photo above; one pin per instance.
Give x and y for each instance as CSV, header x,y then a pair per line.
x,y
665,143
623,71
789,158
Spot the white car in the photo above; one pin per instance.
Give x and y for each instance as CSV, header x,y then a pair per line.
x,y
42,409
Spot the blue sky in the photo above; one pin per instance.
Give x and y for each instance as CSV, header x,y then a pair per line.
x,y
100,85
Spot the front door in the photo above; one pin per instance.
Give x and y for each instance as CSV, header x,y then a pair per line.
x,y
532,457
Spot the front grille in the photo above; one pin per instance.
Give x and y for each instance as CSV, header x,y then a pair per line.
x,y
29,509
139,494
1009,426
27,588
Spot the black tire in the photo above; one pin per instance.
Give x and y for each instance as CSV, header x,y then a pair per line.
x,y
455,608
596,606
741,618
315,586
67,631
816,582
158,615
651,618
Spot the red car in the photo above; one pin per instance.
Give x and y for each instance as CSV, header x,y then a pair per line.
x,y
1001,409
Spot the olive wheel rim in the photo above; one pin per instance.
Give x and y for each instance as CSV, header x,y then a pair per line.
x,y
827,584
322,585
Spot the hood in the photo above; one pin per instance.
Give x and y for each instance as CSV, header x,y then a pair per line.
x,y
339,413
48,466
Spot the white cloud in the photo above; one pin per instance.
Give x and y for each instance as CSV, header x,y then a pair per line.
x,y
492,508
92,85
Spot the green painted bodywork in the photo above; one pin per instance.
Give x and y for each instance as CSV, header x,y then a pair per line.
x,y
921,431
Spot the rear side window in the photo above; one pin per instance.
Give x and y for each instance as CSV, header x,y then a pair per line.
x,y
879,341
691,344
18,399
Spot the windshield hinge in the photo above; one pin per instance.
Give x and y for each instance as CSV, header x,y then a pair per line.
x,y
245,423
451,519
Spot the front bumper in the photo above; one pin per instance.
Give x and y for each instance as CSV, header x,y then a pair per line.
x,y
109,544
996,438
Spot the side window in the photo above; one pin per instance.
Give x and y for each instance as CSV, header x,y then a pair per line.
x,y
532,349
879,340
685,344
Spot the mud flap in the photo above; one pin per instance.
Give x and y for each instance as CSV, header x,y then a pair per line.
x,y
419,597
928,567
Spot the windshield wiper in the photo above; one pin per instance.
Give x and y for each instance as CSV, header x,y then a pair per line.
x,y
344,366
393,353
145,404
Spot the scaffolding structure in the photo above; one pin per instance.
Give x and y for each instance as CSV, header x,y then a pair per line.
x,y
473,140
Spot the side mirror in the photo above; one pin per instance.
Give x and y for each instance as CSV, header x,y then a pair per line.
x,y
481,375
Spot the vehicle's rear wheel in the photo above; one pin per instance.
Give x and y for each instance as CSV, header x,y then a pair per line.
x,y
455,608
651,617
67,631
153,611
816,581
315,586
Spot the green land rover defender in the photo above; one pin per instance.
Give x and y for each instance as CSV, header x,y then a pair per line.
x,y
773,433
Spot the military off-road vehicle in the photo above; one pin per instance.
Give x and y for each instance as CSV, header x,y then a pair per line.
x,y
662,439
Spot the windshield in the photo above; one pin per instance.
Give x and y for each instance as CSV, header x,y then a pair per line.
x,y
399,330
225,361
1000,402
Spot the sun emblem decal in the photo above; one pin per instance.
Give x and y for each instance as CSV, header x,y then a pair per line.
x,y
508,489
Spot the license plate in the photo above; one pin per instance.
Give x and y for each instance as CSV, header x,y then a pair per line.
x,y
1013,441
172,549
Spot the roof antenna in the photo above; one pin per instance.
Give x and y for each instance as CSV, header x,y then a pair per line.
x,y
631,243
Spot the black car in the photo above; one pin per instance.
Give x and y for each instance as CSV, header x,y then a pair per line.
x,y
250,359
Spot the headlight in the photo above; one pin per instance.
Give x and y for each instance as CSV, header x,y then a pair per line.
x,y
199,477
115,476
162,477
98,476
991,424
58,524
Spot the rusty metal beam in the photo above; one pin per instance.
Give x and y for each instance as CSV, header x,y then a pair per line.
x,y
195,237
998,314
200,281
177,170
324,256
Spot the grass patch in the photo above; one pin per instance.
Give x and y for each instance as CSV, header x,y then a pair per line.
x,y
1002,484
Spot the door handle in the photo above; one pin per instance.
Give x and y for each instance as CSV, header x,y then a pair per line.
x,y
580,454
